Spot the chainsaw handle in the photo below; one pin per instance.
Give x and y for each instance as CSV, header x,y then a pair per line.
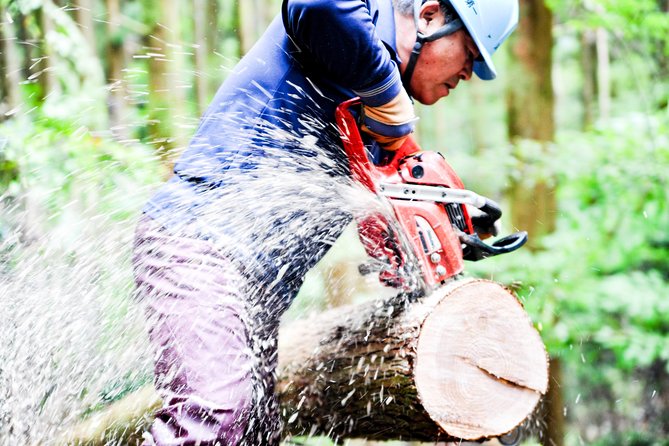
x,y
477,249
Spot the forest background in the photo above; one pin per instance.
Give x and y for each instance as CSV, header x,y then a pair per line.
x,y
97,97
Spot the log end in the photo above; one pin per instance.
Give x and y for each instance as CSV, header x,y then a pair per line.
x,y
481,367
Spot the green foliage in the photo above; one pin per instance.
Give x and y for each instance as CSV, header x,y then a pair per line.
x,y
71,174
602,277
632,439
598,287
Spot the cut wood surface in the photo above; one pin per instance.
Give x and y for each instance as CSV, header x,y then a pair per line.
x,y
464,362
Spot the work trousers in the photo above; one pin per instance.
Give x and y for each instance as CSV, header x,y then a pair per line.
x,y
215,350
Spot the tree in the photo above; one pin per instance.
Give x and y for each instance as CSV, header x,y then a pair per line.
x,y
531,125
167,99
115,66
11,59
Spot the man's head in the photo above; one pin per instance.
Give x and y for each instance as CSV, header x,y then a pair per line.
x,y
453,38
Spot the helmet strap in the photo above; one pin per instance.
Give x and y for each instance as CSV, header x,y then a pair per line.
x,y
421,39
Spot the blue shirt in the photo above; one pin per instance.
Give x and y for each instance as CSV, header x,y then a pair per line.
x,y
273,112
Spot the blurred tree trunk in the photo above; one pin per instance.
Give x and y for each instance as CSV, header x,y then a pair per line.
x,y
115,66
45,74
11,63
589,67
248,24
254,17
603,73
244,26
84,17
554,406
663,46
656,401
203,44
167,101
530,106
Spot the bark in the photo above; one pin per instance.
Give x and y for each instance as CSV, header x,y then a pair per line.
x,y
464,362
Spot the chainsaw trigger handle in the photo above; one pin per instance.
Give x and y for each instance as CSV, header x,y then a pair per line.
x,y
476,249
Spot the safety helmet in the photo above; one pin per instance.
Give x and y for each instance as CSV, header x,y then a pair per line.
x,y
489,22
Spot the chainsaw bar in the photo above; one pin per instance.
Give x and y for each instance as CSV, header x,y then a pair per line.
x,y
431,193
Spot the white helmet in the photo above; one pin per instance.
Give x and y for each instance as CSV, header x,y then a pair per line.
x,y
489,22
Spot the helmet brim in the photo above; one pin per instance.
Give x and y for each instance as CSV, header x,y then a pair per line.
x,y
485,70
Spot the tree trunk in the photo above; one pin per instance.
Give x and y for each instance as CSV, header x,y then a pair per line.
x,y
244,26
589,68
202,50
45,75
603,73
11,65
84,17
554,407
464,362
115,66
167,100
530,105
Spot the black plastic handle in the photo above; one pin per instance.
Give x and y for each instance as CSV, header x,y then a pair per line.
x,y
475,249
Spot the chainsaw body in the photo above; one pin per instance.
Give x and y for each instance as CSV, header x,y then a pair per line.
x,y
428,200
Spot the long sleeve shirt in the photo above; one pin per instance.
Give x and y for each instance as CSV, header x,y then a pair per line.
x,y
275,110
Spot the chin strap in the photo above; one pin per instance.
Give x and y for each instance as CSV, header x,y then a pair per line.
x,y
421,39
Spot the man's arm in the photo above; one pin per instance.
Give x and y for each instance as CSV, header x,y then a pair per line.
x,y
338,36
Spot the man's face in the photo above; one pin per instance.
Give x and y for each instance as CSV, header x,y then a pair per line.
x,y
442,64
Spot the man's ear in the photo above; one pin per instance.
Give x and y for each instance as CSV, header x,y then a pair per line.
x,y
429,11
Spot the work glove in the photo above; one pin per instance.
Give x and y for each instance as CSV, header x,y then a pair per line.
x,y
381,244
484,225
390,124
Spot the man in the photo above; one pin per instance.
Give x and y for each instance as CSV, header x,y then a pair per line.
x,y
256,199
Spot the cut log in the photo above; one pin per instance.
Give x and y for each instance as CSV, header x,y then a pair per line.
x,y
464,362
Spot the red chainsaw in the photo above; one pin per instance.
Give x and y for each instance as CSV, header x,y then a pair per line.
x,y
429,203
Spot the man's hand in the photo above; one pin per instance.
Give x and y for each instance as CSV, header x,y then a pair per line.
x,y
484,225
391,123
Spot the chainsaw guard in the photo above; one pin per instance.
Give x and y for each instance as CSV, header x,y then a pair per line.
x,y
475,249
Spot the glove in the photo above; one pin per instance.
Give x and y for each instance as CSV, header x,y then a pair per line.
x,y
484,225
380,243
390,124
